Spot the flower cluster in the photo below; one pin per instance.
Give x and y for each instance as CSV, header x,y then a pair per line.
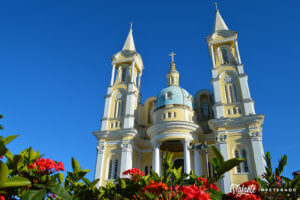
x,y
47,166
133,173
155,187
192,192
2,197
205,185
1,157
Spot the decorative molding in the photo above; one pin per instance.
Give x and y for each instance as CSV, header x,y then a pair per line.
x,y
228,78
221,139
100,149
126,147
255,136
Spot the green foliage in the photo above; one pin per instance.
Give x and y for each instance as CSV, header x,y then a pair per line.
x,y
271,180
220,166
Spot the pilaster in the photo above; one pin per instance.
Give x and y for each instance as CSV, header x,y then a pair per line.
x,y
99,162
221,141
258,152
126,157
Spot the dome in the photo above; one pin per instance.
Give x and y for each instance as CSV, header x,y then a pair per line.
x,y
173,95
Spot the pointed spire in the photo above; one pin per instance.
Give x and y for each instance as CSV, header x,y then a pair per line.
x,y
173,74
219,22
129,43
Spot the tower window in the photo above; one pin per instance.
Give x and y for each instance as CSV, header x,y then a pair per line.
x,y
228,111
240,111
113,169
123,76
242,167
118,112
174,114
225,55
234,110
164,116
116,169
169,115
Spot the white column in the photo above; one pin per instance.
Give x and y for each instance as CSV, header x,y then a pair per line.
x,y
248,103
112,75
140,75
221,141
237,52
218,100
126,158
258,152
198,162
132,71
187,156
156,158
99,163
212,55
104,123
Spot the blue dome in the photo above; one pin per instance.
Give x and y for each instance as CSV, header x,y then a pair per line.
x,y
173,95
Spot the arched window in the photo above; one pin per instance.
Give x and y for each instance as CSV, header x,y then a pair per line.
x,y
119,101
230,89
113,169
123,75
225,56
243,167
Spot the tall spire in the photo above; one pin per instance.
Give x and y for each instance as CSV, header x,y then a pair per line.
x,y
129,43
219,22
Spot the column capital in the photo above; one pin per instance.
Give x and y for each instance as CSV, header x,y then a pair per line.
x,y
186,141
155,143
255,136
100,149
221,139
126,147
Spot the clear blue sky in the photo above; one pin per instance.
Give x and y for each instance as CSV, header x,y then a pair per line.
x,y
55,65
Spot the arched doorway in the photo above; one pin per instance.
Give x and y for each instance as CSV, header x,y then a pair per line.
x,y
178,163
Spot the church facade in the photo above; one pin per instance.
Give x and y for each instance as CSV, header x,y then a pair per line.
x,y
135,135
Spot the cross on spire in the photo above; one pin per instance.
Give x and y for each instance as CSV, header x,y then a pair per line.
x,y
130,25
216,4
172,56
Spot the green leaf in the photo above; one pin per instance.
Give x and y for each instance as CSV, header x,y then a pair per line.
x,y
3,149
122,183
61,177
59,190
17,181
218,155
35,194
75,165
8,139
3,173
9,155
216,195
229,164
295,181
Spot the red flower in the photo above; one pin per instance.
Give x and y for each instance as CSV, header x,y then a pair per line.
x,y
134,173
1,157
205,185
155,188
278,178
278,184
46,166
193,192
2,197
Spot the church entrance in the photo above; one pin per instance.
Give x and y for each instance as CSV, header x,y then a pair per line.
x,y
178,163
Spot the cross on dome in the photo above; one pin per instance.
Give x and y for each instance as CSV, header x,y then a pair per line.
x,y
172,56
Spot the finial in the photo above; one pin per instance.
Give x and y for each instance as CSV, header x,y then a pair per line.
x,y
216,4
172,56
131,25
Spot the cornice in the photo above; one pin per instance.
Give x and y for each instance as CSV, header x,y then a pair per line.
x,y
115,135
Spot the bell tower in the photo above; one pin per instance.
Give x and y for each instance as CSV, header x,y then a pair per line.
x,y
118,128
236,126
230,82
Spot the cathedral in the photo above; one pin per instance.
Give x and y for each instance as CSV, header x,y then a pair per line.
x,y
135,134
